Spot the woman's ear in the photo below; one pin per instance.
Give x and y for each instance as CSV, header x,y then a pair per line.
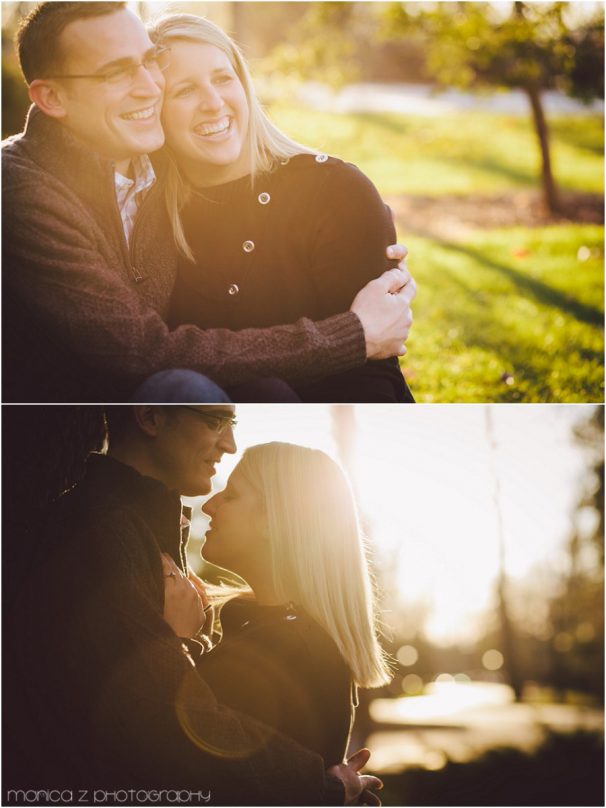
x,y
48,97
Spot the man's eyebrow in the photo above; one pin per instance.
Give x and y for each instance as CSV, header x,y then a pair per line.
x,y
126,61
219,413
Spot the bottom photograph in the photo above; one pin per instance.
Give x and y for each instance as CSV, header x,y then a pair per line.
x,y
303,605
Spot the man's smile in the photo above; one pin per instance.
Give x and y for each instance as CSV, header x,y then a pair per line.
x,y
140,114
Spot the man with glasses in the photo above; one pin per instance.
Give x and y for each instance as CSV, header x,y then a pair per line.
x,y
89,257
100,696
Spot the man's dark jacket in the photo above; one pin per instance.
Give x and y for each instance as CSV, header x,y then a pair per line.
x,y
99,693
83,311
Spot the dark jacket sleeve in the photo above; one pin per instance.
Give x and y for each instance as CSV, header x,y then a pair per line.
x,y
52,267
116,675
353,228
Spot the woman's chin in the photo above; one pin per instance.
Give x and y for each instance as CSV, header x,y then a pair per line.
x,y
215,165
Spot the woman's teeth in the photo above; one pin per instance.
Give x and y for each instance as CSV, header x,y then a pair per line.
x,y
139,115
216,128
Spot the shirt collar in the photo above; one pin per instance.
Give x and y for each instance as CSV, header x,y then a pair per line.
x,y
144,173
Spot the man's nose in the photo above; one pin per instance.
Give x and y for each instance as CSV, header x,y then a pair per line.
x,y
227,441
148,82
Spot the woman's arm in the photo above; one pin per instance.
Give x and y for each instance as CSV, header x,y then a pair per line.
x,y
350,232
352,227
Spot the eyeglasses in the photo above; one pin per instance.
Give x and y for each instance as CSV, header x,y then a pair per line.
x,y
125,75
217,423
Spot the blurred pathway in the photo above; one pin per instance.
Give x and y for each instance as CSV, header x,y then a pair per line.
x,y
456,217
420,99
460,722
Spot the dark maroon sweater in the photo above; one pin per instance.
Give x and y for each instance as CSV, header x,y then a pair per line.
x,y
83,312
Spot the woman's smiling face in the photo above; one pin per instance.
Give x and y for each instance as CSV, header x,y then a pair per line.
x,y
205,114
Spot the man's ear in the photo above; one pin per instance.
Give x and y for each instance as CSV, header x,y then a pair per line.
x,y
149,419
48,97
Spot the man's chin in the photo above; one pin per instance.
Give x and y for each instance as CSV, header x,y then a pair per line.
x,y
146,144
154,146
198,489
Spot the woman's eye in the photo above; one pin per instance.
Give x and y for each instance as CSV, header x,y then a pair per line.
x,y
184,91
224,79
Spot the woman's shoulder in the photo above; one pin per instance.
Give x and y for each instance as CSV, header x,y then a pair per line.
x,y
322,171
289,630
309,638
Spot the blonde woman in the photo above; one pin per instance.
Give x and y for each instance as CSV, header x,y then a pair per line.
x,y
268,230
293,656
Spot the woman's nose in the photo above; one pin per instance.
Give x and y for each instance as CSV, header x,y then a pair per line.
x,y
210,99
209,506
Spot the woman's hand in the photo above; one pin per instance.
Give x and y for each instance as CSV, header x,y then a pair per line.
x,y
383,307
184,601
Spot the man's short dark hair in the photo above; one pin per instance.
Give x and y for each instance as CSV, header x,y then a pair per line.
x,y
38,35
120,420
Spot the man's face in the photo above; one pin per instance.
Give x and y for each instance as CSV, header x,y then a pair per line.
x,y
117,120
187,447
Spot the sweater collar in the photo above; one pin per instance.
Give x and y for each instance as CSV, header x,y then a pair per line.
x,y
57,150
157,506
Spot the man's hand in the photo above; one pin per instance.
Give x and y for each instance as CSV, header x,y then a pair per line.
x,y
383,307
209,610
183,604
359,788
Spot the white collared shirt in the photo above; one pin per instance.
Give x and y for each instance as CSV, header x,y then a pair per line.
x,y
130,193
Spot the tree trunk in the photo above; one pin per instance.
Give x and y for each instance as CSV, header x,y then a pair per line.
x,y
550,192
508,639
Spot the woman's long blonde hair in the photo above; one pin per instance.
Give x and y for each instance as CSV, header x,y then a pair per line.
x,y
317,555
267,145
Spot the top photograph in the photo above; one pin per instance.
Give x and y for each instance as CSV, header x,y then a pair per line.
x,y
246,202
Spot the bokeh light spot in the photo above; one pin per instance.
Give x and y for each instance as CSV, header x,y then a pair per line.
x,y
492,660
412,684
407,655
562,642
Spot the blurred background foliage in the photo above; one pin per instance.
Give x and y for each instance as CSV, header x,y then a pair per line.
x,y
481,124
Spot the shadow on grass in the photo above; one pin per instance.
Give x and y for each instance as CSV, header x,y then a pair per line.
x,y
541,292
492,166
524,367
579,138
565,770
388,121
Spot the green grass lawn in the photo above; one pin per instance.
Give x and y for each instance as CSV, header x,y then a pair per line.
x,y
512,315
466,153
507,315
